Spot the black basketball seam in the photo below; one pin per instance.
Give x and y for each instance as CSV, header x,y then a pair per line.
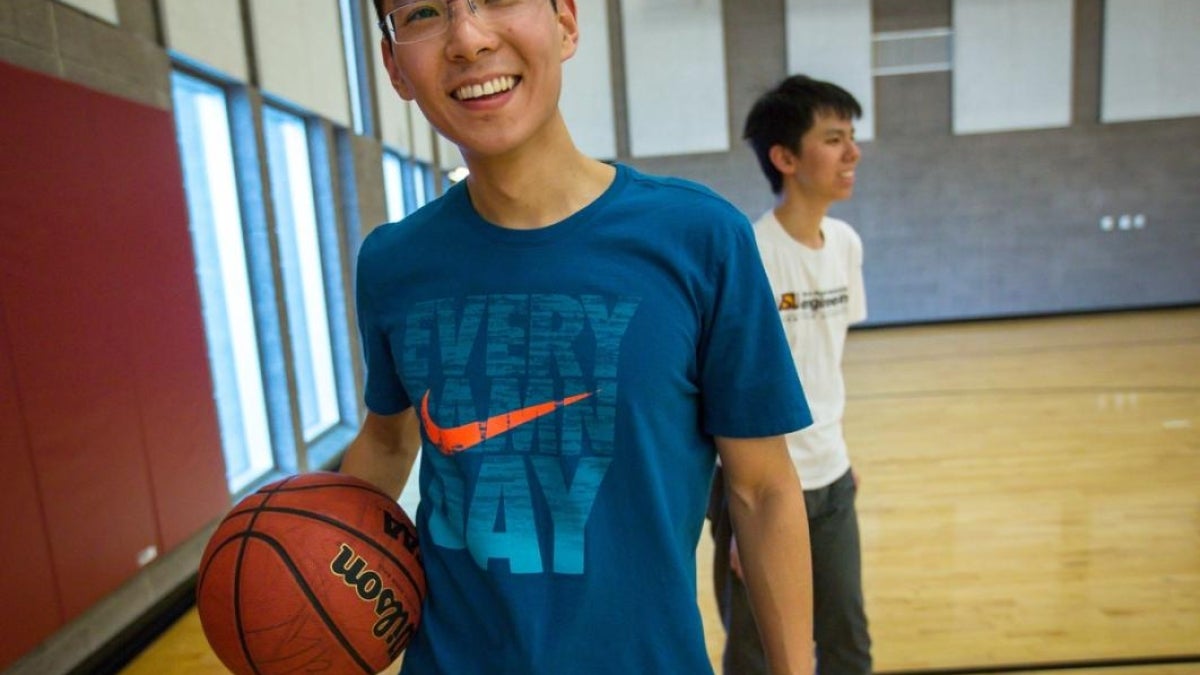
x,y
237,576
244,535
298,577
239,538
236,512
364,537
353,485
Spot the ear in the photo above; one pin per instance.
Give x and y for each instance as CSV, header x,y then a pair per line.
x,y
568,22
399,83
782,159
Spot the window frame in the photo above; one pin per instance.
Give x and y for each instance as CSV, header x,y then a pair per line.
x,y
246,115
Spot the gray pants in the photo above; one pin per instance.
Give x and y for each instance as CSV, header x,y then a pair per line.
x,y
843,645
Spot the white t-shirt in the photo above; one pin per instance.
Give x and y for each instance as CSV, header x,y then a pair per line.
x,y
819,294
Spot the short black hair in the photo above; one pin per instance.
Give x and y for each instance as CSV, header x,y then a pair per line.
x,y
785,113
379,11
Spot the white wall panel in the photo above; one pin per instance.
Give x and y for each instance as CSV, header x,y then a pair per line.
x,y
587,96
675,76
210,32
423,134
395,128
402,125
298,44
831,40
1012,64
449,156
1151,60
101,9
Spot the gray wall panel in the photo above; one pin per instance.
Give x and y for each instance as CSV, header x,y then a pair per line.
x,y
894,15
990,225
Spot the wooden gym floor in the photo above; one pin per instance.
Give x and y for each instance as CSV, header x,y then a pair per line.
x,y
1030,499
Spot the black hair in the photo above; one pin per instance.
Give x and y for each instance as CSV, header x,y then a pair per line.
x,y
784,114
379,12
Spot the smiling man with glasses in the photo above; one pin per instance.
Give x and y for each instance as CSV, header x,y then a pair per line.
x,y
572,343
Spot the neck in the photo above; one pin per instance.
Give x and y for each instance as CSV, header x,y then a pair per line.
x,y
801,218
541,183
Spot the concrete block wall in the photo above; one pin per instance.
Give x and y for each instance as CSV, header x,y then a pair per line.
x,y
991,225
60,40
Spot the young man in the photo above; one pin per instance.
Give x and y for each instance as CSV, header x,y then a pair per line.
x,y
803,134
568,340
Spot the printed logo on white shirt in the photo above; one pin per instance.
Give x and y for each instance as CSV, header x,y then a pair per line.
x,y
817,304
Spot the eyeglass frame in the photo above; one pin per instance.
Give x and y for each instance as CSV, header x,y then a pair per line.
x,y
386,24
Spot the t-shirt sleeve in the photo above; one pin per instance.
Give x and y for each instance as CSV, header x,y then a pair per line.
x,y
749,383
383,392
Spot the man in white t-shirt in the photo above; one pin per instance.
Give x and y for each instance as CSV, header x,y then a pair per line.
x,y
802,132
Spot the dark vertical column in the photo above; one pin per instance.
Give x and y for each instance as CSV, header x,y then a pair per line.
x,y
1088,62
755,55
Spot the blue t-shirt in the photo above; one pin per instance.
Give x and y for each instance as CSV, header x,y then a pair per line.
x,y
569,382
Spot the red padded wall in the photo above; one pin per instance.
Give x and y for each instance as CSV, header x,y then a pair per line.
x,y
30,609
104,325
161,306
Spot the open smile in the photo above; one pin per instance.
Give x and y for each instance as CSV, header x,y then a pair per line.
x,y
496,85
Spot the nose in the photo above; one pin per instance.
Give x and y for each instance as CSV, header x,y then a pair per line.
x,y
469,4
853,153
468,36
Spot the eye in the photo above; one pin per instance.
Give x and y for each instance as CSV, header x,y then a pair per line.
x,y
416,12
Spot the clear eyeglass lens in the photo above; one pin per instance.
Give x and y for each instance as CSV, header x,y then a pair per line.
x,y
419,20
424,19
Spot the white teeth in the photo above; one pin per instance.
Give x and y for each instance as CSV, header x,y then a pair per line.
x,y
493,86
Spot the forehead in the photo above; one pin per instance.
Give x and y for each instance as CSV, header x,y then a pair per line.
x,y
826,121
389,5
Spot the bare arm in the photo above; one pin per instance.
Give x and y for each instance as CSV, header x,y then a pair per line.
x,y
384,450
766,504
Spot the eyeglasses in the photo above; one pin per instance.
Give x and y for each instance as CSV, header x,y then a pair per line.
x,y
419,20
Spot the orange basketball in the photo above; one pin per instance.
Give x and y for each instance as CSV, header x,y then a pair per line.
x,y
319,572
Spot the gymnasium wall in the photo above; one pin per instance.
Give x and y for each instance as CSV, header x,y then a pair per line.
x,y
987,225
113,453
111,457
955,227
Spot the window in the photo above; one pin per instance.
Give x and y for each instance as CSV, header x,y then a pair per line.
x,y
408,184
202,119
356,73
393,186
291,175
421,184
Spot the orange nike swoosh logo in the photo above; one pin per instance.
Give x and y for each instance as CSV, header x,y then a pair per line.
x,y
456,439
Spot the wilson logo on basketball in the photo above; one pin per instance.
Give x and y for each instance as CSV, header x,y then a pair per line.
x,y
395,529
395,623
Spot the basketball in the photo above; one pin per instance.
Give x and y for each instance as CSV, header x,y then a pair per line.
x,y
318,572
